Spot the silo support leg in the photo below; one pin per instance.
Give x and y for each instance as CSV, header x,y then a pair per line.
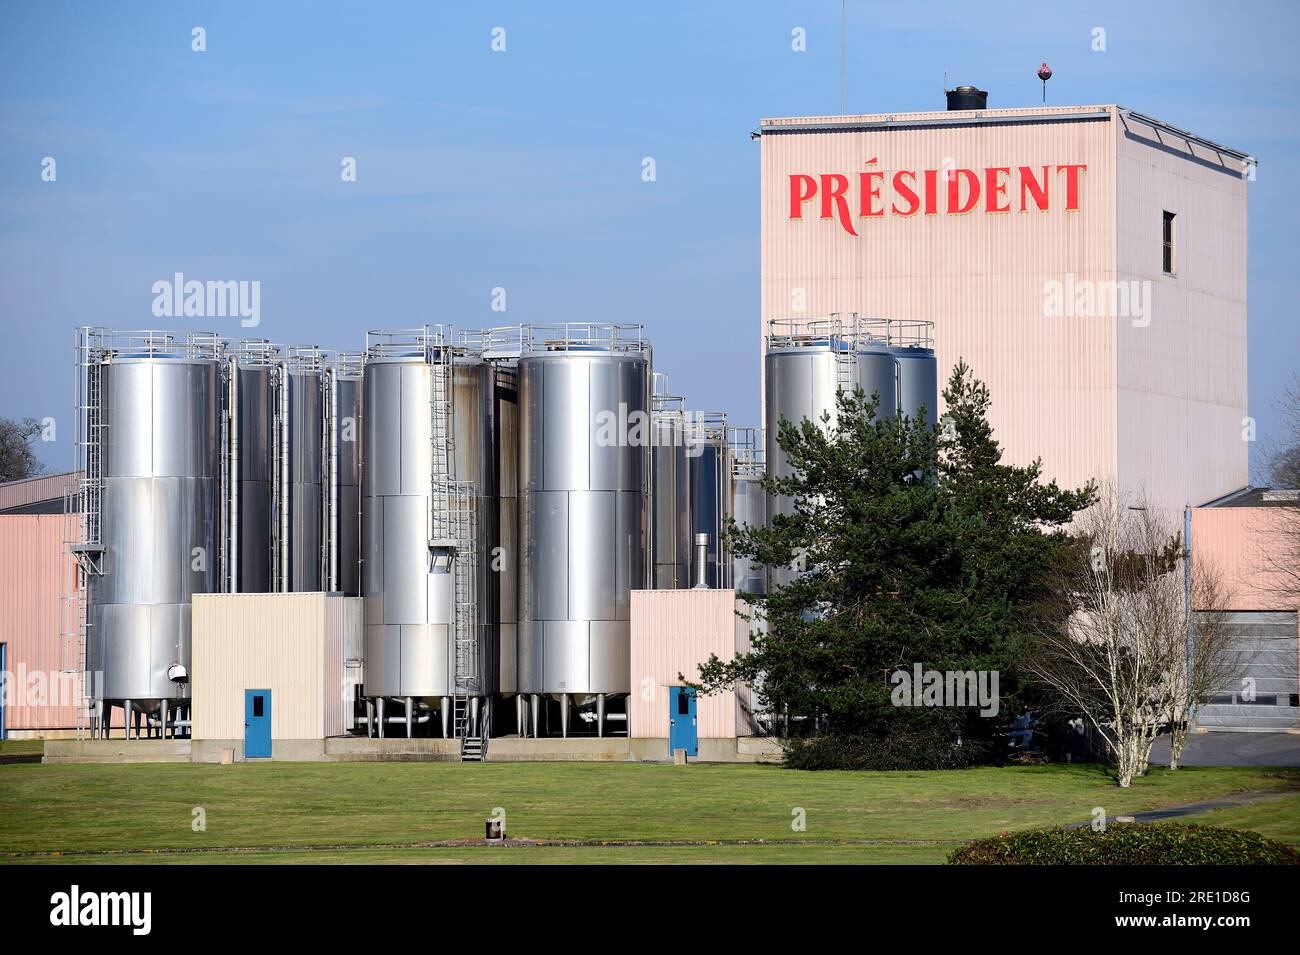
x,y
474,713
600,714
370,718
379,712
128,716
162,726
564,715
410,705
535,710
445,710
521,728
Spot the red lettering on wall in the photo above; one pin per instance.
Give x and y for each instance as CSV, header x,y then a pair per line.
x,y
1034,187
1072,172
869,189
954,191
906,192
834,188
995,188
802,188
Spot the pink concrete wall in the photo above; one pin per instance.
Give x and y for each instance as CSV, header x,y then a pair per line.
x,y
1089,395
1237,542
673,631
36,571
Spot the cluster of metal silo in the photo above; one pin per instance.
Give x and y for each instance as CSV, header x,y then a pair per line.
x,y
203,460
809,362
494,496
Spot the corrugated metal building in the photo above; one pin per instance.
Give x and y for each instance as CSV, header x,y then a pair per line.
x,y
41,684
673,631
1017,233
292,645
1241,538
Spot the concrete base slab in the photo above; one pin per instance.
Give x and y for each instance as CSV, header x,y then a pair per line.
x,y
419,750
117,751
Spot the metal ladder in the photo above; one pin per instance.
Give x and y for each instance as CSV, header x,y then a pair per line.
x,y
845,366
83,525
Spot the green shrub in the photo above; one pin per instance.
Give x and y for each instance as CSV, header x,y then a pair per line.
x,y
1127,844
906,747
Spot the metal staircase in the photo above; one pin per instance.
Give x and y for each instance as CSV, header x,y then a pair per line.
x,y
82,516
452,541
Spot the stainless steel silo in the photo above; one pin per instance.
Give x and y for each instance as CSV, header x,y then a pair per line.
x,y
300,471
806,365
149,434
504,559
251,377
912,345
749,504
670,493
584,423
708,464
343,472
427,491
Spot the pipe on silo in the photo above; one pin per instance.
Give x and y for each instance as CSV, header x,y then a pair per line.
x,y
701,562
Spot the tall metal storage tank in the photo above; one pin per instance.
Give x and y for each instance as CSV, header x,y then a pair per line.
x,y
301,467
584,404
343,477
506,558
670,495
749,504
912,345
709,467
152,404
425,514
250,409
807,363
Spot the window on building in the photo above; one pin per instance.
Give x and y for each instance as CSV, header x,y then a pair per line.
x,y
1170,260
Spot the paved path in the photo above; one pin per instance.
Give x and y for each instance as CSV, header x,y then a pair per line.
x,y
1234,749
1177,812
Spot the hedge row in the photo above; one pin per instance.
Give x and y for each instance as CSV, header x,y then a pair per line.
x,y
1128,844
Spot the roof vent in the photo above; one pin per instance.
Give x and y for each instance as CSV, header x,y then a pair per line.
x,y
967,97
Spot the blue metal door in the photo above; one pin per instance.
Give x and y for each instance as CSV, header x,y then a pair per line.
x,y
681,720
257,724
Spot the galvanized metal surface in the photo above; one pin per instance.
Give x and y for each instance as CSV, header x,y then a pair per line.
x,y
409,595
583,533
160,522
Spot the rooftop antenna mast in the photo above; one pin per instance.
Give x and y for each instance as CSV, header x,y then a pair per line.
x,y
1044,74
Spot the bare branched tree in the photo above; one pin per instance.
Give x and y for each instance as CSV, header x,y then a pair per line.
x,y
1113,643
1277,527
17,457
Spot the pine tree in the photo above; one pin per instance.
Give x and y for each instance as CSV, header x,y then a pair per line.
x,y
917,545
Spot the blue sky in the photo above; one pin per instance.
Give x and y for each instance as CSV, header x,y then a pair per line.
x,y
522,169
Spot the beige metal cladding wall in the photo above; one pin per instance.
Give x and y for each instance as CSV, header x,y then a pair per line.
x,y
673,631
1182,366
36,571
979,277
1241,545
260,641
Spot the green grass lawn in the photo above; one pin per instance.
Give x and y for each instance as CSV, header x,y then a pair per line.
x,y
289,808
21,747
